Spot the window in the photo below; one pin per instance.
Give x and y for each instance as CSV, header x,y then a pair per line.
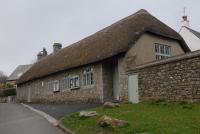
x,y
61,84
52,86
37,88
67,82
70,82
88,77
49,86
56,85
162,51
74,82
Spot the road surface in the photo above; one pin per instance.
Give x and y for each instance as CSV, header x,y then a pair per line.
x,y
59,110
16,119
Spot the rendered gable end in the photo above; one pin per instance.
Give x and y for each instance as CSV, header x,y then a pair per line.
x,y
143,51
191,40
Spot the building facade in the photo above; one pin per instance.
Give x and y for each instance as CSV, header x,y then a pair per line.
x,y
95,68
191,37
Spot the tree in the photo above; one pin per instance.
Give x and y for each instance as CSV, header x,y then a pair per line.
x,y
3,77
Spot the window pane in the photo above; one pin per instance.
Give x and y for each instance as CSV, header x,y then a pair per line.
x,y
162,51
84,79
92,79
88,78
157,48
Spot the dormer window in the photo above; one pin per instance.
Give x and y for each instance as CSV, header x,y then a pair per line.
x,y
162,51
88,77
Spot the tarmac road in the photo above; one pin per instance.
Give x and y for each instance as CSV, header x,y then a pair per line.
x,y
16,119
60,110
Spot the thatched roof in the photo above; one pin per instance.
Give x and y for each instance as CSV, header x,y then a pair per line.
x,y
106,43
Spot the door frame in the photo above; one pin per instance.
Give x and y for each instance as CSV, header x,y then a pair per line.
x,y
29,94
116,81
133,92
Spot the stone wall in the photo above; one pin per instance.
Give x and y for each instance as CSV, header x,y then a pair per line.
x,y
69,97
123,77
174,79
84,94
3,99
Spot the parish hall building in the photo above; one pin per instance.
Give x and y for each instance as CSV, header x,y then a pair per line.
x,y
101,67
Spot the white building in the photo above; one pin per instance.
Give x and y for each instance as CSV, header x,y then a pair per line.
x,y
191,37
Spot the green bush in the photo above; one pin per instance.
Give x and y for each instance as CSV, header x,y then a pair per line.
x,y
8,92
1,93
6,86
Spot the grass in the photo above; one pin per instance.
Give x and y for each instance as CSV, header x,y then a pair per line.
x,y
157,117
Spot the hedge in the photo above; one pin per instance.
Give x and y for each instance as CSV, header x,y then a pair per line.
x,y
8,92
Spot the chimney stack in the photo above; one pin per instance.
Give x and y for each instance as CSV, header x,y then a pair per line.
x,y
185,21
57,47
42,54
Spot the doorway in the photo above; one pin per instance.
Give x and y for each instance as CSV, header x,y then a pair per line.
x,y
116,85
29,94
133,95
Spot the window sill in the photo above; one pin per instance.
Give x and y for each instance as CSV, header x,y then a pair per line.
x,y
76,88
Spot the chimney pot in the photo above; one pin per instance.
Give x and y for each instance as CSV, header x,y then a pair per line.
x,y
57,47
185,18
42,54
185,22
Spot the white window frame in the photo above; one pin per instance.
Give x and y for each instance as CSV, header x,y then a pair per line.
x,y
48,86
74,82
67,82
56,86
88,77
162,51
70,82
37,88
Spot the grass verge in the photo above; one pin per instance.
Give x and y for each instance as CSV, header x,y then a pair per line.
x,y
156,117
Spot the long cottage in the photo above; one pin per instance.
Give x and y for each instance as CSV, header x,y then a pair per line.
x,y
96,68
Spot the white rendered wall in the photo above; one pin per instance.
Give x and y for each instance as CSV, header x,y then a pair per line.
x,y
192,41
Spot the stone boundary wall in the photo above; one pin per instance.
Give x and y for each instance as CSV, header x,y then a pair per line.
x,y
173,79
70,97
3,99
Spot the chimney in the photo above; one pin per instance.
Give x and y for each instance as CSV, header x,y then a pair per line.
x,y
56,47
42,54
185,21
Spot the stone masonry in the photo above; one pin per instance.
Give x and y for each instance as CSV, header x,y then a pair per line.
x,y
173,79
89,94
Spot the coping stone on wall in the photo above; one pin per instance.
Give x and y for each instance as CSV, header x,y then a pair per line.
x,y
165,61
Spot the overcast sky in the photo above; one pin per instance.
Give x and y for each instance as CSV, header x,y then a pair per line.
x,y
26,26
